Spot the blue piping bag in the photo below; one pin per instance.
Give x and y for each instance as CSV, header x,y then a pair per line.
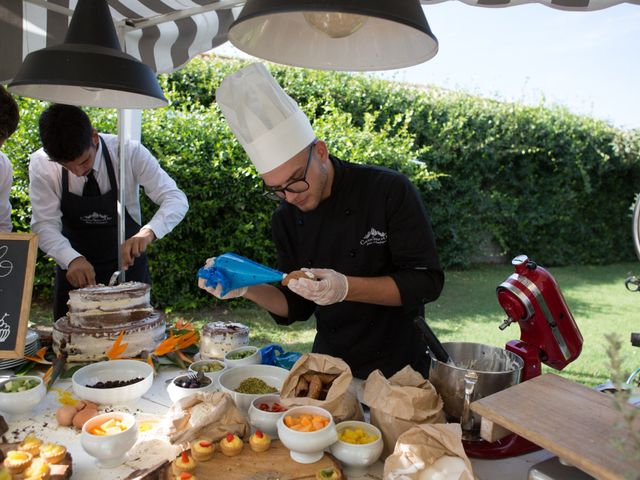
x,y
233,271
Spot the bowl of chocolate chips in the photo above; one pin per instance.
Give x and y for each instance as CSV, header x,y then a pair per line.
x,y
114,382
189,384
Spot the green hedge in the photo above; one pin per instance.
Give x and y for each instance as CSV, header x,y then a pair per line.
x,y
531,179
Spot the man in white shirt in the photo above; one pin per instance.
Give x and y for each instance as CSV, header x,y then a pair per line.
x,y
74,188
9,118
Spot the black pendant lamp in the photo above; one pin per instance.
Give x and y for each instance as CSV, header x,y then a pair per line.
x,y
89,68
355,35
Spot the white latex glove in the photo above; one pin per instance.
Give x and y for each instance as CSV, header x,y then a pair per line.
x,y
328,288
217,292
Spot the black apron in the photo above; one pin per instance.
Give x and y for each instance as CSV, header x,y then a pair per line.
x,y
91,226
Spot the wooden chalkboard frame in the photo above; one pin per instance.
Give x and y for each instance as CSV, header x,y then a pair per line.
x,y
27,289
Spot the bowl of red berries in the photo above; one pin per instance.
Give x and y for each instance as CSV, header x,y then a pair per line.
x,y
264,413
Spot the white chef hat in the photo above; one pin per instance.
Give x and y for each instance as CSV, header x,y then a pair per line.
x,y
268,123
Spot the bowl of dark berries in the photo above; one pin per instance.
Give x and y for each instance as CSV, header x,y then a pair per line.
x,y
114,382
189,384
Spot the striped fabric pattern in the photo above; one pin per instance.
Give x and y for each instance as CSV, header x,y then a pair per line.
x,y
165,43
26,26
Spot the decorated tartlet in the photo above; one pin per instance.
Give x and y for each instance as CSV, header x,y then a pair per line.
x,y
260,441
186,476
38,470
328,473
202,449
30,444
52,452
231,445
184,463
17,461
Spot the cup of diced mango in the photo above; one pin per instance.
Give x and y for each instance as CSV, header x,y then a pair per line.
x,y
359,445
108,438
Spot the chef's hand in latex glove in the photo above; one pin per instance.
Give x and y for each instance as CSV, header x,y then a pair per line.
x,y
217,292
329,286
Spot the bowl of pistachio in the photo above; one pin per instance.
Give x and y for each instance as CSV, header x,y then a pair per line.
x,y
20,395
248,382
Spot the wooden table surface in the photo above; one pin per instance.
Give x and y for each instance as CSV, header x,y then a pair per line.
x,y
568,419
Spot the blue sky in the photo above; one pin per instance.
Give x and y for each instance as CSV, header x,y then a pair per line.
x,y
586,61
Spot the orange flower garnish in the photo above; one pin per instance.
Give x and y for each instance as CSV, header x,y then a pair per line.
x,y
39,357
118,348
176,342
184,325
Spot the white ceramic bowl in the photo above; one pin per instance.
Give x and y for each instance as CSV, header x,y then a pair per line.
x,y
254,357
109,450
113,370
194,367
262,419
19,404
355,458
176,392
231,379
307,447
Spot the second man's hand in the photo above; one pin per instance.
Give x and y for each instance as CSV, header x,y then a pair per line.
x,y
80,273
136,246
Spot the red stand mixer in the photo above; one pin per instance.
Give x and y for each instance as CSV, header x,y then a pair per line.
x,y
465,372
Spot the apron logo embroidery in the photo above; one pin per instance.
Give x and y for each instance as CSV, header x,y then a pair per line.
x,y
374,237
96,219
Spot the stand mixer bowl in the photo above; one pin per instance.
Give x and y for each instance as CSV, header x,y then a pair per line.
x,y
475,371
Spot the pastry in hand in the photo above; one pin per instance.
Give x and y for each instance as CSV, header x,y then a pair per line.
x,y
186,476
31,444
231,445
202,450
260,441
52,452
296,274
184,463
38,470
328,473
17,461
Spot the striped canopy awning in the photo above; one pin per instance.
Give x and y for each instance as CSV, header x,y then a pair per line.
x,y
164,34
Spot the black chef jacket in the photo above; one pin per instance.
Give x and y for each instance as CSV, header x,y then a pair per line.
x,y
373,224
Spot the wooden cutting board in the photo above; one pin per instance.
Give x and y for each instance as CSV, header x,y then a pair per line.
x,y
274,464
568,419
59,471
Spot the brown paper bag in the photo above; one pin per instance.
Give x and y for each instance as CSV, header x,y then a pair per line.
x,y
401,402
419,448
340,401
209,415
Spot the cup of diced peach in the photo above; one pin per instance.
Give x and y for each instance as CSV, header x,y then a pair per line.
x,y
306,432
108,438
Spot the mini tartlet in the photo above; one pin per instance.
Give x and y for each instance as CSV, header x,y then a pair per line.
x,y
52,452
38,470
260,441
30,444
202,449
186,476
231,445
328,473
17,461
184,463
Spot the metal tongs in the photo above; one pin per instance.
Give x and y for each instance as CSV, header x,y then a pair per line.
x,y
114,278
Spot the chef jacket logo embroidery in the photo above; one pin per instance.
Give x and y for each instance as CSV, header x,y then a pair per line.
x,y
96,219
374,237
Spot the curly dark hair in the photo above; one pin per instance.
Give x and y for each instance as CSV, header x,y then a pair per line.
x,y
65,132
9,114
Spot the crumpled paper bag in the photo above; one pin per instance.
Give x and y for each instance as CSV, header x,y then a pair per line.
x,y
401,402
209,415
341,400
429,452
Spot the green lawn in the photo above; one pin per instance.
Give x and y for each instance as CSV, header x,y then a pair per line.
x,y
468,311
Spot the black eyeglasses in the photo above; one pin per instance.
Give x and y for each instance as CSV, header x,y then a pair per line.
x,y
297,185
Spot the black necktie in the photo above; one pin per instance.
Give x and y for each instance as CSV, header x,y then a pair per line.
x,y
91,188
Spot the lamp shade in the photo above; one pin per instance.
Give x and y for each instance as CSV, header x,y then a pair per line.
x,y
355,35
89,68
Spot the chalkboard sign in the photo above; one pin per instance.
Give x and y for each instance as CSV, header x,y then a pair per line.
x,y
17,266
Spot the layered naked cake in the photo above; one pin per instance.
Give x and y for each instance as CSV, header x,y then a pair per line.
x,y
98,314
218,338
